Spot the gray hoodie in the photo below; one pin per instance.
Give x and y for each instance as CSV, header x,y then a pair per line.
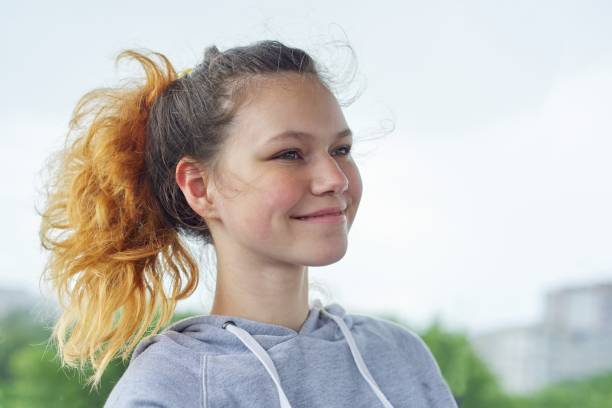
x,y
335,360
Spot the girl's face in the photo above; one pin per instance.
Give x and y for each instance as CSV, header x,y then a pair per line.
x,y
269,177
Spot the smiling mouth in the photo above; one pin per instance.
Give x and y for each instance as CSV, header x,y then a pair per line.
x,y
334,214
326,219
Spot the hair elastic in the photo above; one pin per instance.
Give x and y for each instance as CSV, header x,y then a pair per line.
x,y
184,72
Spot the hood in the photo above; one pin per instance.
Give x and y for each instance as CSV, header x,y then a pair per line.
x,y
206,333
219,334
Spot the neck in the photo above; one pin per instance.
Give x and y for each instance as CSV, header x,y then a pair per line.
x,y
274,295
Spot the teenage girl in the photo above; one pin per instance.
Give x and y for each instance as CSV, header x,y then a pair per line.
x,y
249,153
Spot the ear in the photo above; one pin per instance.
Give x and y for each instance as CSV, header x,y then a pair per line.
x,y
193,180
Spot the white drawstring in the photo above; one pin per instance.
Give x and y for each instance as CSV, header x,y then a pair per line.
x,y
361,365
265,359
262,355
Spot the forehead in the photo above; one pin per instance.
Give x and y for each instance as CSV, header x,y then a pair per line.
x,y
279,103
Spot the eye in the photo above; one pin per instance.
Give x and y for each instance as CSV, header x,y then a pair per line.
x,y
284,154
289,154
348,149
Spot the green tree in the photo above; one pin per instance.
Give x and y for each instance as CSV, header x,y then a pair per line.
x,y
30,373
473,384
38,381
593,392
17,330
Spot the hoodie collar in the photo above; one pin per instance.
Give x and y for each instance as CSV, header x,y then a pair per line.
x,y
209,329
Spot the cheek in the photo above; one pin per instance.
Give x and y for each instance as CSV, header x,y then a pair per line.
x,y
272,201
277,196
355,184
280,194
355,190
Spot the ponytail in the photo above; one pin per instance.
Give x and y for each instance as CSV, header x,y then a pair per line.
x,y
111,248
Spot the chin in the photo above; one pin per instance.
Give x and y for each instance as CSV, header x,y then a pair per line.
x,y
325,258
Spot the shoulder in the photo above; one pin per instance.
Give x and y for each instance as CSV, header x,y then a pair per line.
x,y
419,358
409,344
160,374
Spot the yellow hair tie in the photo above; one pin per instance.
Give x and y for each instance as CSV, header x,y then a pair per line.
x,y
185,72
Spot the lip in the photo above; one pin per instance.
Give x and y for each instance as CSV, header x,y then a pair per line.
x,y
325,219
324,212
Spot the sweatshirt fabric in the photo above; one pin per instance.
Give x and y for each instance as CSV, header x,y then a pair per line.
x,y
336,359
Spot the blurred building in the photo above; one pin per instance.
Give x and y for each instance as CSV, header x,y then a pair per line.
x,y
572,341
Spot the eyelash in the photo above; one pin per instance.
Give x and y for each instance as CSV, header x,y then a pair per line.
x,y
280,156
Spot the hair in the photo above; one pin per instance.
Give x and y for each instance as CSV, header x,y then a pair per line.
x,y
115,218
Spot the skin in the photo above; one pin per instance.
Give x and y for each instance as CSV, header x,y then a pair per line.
x,y
263,254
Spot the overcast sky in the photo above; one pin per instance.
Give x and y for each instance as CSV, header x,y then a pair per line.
x,y
493,187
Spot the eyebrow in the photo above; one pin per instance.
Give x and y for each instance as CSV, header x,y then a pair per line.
x,y
294,134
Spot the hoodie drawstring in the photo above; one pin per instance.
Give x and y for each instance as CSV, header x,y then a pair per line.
x,y
262,355
267,362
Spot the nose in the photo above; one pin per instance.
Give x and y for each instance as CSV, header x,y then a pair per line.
x,y
329,176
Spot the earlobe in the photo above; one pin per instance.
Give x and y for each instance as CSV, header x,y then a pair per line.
x,y
192,178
